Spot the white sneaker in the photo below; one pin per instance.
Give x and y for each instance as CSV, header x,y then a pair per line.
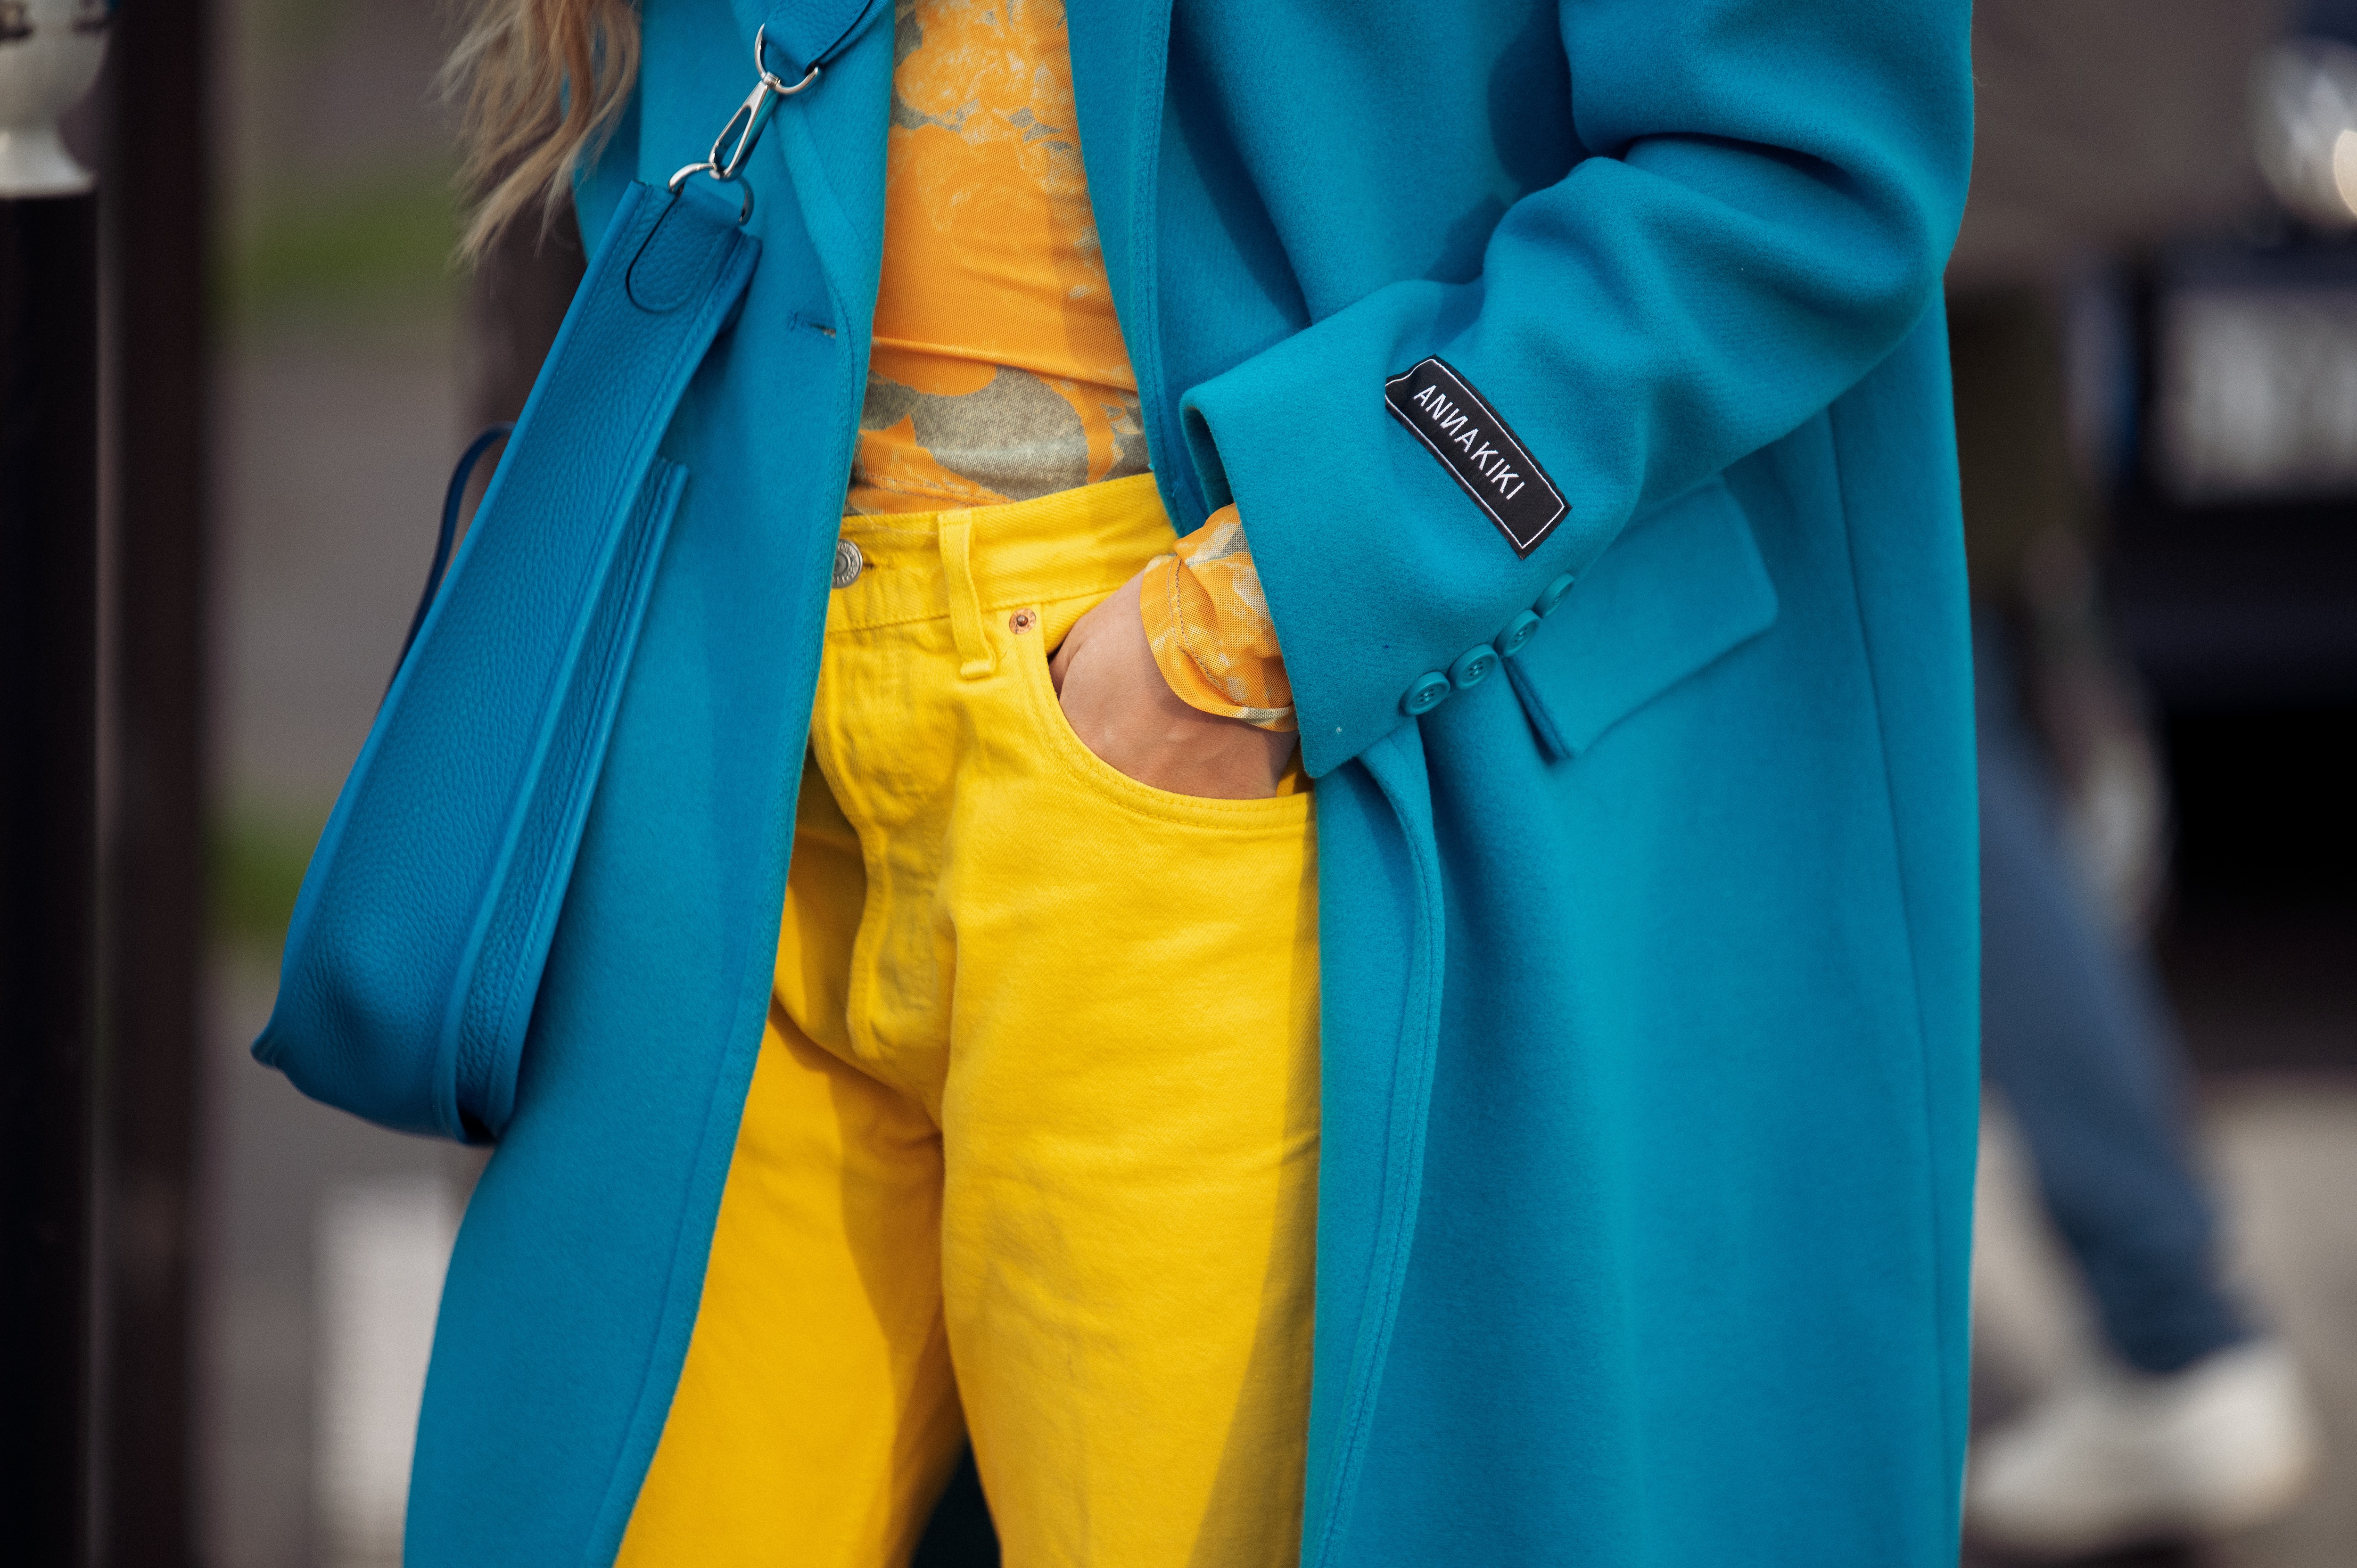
x,y
2118,1457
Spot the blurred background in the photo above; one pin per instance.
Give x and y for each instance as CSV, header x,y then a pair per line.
x,y
341,397
2157,310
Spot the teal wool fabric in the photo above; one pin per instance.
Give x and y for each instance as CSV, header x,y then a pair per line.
x,y
1649,952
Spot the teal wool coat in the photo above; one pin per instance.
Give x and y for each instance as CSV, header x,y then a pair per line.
x,y
1649,960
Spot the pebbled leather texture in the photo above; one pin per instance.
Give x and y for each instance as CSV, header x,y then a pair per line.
x,y
417,944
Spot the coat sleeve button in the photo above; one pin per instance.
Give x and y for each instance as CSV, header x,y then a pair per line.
x,y
1471,665
1551,594
1518,632
1429,690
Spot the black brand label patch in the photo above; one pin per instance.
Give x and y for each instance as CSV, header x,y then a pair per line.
x,y
1441,409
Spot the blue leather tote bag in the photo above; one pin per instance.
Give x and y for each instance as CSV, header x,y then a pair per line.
x,y
425,921
414,956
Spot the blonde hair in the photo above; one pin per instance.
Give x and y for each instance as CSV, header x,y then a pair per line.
x,y
538,84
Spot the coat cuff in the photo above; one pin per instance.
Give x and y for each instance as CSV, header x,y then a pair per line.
x,y
1380,625
1209,626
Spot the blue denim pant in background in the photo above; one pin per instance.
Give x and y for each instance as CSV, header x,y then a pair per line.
x,y
2077,1037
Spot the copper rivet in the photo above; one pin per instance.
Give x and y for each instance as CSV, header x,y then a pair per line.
x,y
1021,621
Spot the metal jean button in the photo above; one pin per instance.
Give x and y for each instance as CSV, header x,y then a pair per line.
x,y
848,563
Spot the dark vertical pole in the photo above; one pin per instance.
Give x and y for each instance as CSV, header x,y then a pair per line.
x,y
49,862
159,178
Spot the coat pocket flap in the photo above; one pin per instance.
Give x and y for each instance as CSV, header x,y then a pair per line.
x,y
1676,590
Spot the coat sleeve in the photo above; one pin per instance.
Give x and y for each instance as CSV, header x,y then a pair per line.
x,y
1775,187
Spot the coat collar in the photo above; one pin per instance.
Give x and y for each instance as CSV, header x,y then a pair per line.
x,y
1120,50
826,139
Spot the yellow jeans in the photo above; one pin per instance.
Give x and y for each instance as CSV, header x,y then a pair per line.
x,y
1030,1152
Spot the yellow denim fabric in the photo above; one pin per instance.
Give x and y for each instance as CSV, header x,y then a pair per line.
x,y
1207,623
1038,1102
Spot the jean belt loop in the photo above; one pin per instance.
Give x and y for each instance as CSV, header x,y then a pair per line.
x,y
976,658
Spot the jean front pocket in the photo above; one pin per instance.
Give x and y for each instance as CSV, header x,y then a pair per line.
x,y
1055,735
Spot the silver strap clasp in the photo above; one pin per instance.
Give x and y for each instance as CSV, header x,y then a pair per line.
x,y
734,146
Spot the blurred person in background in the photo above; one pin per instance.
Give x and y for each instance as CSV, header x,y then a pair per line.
x,y
2099,127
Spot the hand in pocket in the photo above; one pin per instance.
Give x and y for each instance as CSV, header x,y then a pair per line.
x,y
1118,704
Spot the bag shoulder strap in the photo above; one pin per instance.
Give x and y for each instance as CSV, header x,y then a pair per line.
x,y
802,35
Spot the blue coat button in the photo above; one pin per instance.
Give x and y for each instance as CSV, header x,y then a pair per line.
x,y
1471,665
1431,689
1518,631
1551,594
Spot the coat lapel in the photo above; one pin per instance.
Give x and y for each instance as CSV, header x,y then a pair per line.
x,y
831,141
1382,948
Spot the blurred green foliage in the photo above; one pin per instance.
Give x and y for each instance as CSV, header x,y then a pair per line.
x,y
257,860
373,245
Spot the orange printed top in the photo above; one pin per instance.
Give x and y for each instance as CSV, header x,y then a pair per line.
x,y
998,372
